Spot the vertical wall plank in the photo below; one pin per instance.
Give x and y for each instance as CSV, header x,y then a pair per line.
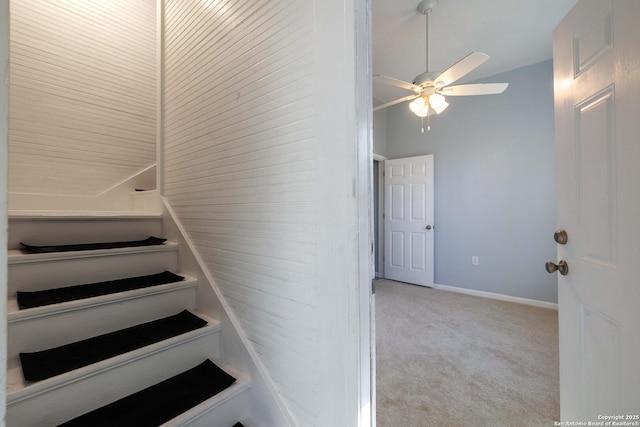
x,y
83,94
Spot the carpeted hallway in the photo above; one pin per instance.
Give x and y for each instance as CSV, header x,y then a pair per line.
x,y
447,359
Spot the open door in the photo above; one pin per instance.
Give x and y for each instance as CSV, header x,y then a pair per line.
x,y
597,104
408,220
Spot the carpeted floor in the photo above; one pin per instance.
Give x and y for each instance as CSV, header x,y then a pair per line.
x,y
447,359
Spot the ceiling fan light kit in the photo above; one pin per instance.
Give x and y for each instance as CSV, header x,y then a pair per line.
x,y
435,101
430,87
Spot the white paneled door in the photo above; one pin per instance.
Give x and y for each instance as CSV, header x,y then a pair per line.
x,y
408,220
597,102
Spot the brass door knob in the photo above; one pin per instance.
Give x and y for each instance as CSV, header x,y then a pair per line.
x,y
562,267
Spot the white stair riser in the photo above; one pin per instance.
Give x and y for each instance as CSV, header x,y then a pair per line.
x,y
67,231
225,415
146,201
67,272
41,333
91,392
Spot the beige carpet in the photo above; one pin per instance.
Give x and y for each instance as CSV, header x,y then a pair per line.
x,y
446,359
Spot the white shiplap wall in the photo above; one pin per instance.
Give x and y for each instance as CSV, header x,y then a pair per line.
x,y
83,94
266,161
240,171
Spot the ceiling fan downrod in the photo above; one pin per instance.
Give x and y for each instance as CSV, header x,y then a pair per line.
x,y
425,7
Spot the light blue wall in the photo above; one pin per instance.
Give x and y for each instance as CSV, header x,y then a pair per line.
x,y
494,184
380,132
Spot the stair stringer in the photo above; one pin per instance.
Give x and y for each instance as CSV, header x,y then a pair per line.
x,y
265,403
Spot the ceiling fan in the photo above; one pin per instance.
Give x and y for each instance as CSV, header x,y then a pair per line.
x,y
430,88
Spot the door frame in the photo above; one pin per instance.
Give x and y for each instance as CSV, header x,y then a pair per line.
x,y
366,413
4,150
379,253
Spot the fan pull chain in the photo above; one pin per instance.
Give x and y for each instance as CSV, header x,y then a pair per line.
x,y
428,122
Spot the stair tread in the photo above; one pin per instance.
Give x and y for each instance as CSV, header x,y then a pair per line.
x,y
18,388
161,402
15,314
47,363
17,256
242,383
32,299
77,247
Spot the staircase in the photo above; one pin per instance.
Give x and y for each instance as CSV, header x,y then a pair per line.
x,y
63,397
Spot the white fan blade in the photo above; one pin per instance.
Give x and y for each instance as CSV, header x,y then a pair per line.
x,y
461,68
474,89
398,83
397,101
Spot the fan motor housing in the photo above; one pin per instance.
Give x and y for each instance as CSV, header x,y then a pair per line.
x,y
425,79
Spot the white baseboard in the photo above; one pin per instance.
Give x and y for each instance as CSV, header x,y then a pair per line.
x,y
499,297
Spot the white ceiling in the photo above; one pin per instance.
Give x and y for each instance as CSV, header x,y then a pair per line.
x,y
514,33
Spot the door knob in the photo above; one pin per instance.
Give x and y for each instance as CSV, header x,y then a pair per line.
x,y
428,227
560,237
562,267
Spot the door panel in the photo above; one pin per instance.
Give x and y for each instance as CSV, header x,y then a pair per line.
x,y
597,106
397,249
418,202
600,341
595,144
418,249
397,202
408,212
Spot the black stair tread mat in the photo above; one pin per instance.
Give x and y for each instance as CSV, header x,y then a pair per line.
x,y
45,364
31,299
149,241
159,403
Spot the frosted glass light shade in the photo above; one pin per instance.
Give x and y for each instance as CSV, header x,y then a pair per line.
x,y
417,105
424,111
441,107
436,100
